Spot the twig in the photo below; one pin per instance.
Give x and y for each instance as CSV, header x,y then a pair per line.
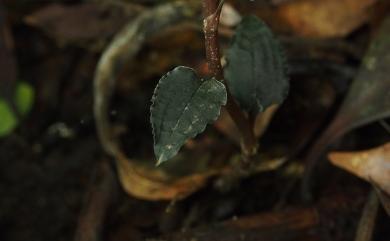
x,y
290,224
383,197
385,125
98,199
331,133
211,12
367,221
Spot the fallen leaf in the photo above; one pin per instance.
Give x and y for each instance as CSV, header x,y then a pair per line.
x,y
154,184
263,119
384,197
371,165
368,98
79,24
325,18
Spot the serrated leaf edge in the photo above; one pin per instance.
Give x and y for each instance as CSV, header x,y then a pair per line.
x,y
155,94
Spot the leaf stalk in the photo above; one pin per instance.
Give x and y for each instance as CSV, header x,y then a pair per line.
x,y
211,12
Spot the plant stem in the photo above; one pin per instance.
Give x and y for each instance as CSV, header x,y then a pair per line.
x,y
211,12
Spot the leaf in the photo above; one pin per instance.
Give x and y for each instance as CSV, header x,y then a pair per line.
x,y
371,165
384,197
8,120
80,24
370,91
153,184
368,98
325,19
24,97
182,106
256,68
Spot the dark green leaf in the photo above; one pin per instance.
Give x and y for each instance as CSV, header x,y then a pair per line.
x,y
182,106
256,68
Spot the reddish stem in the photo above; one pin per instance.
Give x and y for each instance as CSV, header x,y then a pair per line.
x,y
211,12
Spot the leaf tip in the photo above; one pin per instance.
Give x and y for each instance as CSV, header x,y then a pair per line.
x,y
161,158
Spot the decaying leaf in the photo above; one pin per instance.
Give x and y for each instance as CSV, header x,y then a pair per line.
x,y
256,68
368,98
80,24
370,91
155,184
325,18
183,105
372,165
262,120
384,198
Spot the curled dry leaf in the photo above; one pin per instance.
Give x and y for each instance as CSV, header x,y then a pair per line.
x,y
155,184
372,165
326,18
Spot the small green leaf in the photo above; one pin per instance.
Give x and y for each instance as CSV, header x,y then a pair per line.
x,y
256,68
8,121
182,106
24,97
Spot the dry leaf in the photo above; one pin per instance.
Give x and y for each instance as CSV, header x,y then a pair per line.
x,y
79,24
154,184
263,119
372,165
325,18
367,100
385,198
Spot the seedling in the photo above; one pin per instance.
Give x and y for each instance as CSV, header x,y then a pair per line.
x,y
253,79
